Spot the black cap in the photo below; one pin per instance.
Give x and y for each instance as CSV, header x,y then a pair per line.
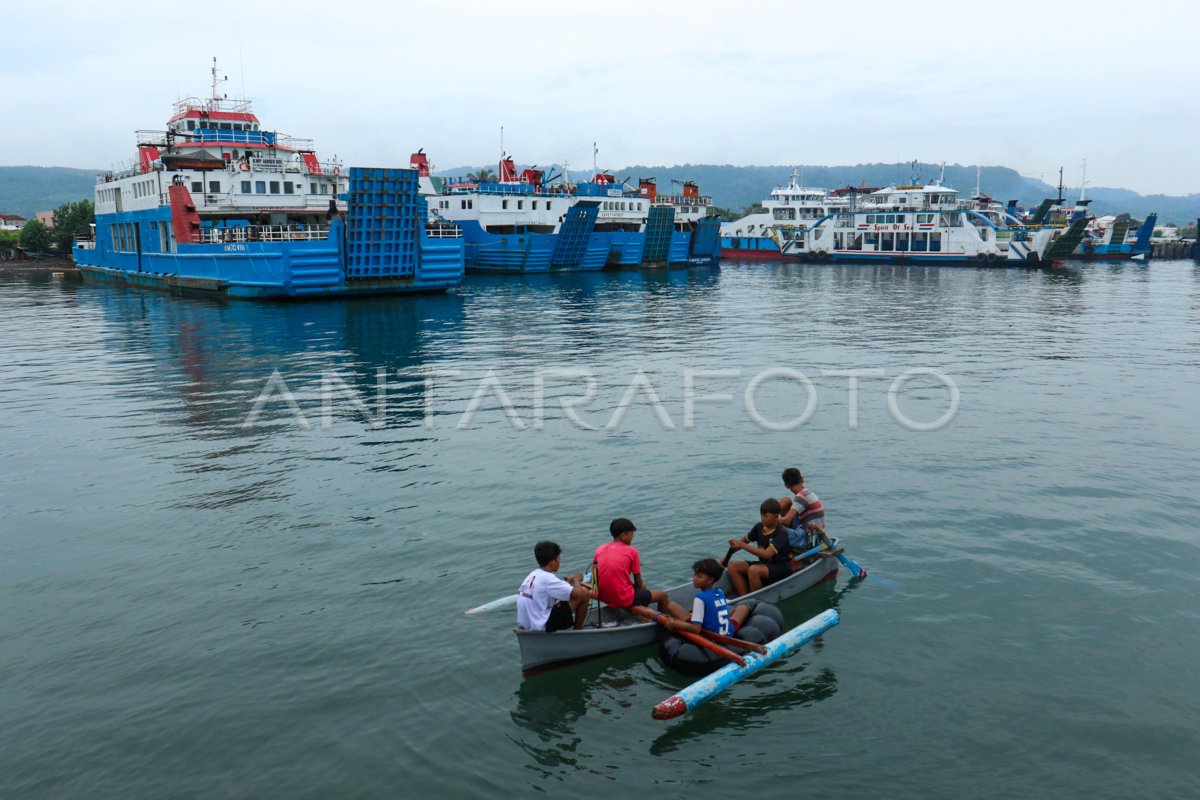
x,y
620,525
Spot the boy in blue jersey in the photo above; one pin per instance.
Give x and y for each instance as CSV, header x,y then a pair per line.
x,y
710,609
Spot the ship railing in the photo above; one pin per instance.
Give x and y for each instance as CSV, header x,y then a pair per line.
x,y
264,233
151,137
216,135
443,230
211,104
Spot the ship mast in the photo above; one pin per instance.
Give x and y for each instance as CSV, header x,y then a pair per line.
x,y
213,100
1083,182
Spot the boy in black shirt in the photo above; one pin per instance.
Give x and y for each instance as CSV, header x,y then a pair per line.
x,y
768,540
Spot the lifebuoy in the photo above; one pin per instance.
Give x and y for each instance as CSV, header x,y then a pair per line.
x,y
245,166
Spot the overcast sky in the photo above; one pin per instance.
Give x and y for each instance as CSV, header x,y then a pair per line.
x,y
1027,85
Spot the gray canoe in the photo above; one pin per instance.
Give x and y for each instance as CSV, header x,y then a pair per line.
x,y
539,648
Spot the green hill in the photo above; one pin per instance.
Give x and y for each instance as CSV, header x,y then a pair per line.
x,y
28,190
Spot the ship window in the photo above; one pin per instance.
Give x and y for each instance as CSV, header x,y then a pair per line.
x,y
902,242
191,124
870,219
899,218
547,205
197,187
920,242
520,205
214,186
887,242
312,188
535,205
245,187
274,187
288,186
260,187
503,204
463,203
935,243
470,204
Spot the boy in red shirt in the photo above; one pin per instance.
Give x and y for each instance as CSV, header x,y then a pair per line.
x,y
619,574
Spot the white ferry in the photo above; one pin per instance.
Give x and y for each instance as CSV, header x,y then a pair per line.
x,y
755,236
921,224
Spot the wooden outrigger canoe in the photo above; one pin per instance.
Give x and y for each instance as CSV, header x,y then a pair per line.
x,y
608,630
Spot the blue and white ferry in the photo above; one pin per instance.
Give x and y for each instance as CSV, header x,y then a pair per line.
x,y
522,221
216,203
755,236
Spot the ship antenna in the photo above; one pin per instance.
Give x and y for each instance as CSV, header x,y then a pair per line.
x,y
1060,185
215,83
1083,182
595,152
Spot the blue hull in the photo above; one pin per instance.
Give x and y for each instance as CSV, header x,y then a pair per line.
x,y
383,247
577,247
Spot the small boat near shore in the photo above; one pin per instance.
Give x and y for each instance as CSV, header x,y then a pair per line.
x,y
608,630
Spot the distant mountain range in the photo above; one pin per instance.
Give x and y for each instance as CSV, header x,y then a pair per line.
x,y
27,190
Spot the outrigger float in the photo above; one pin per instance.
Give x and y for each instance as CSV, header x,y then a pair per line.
x,y
688,698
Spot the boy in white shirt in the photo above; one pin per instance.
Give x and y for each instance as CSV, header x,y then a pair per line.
x,y
547,602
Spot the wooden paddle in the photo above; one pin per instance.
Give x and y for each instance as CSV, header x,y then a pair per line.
x,y
696,639
503,602
729,641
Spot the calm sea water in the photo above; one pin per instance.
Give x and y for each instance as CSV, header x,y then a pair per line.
x,y
194,606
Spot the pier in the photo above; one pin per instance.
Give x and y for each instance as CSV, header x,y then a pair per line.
x,y
1182,248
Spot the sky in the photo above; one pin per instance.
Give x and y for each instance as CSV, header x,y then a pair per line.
x,y
1032,86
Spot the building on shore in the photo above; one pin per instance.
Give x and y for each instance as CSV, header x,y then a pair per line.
x,y
12,222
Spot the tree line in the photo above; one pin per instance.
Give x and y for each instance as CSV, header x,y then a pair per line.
x,y
70,220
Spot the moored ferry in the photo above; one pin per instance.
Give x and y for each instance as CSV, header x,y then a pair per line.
x,y
755,236
924,224
216,203
522,221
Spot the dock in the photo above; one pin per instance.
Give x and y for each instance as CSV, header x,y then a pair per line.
x,y
1181,248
